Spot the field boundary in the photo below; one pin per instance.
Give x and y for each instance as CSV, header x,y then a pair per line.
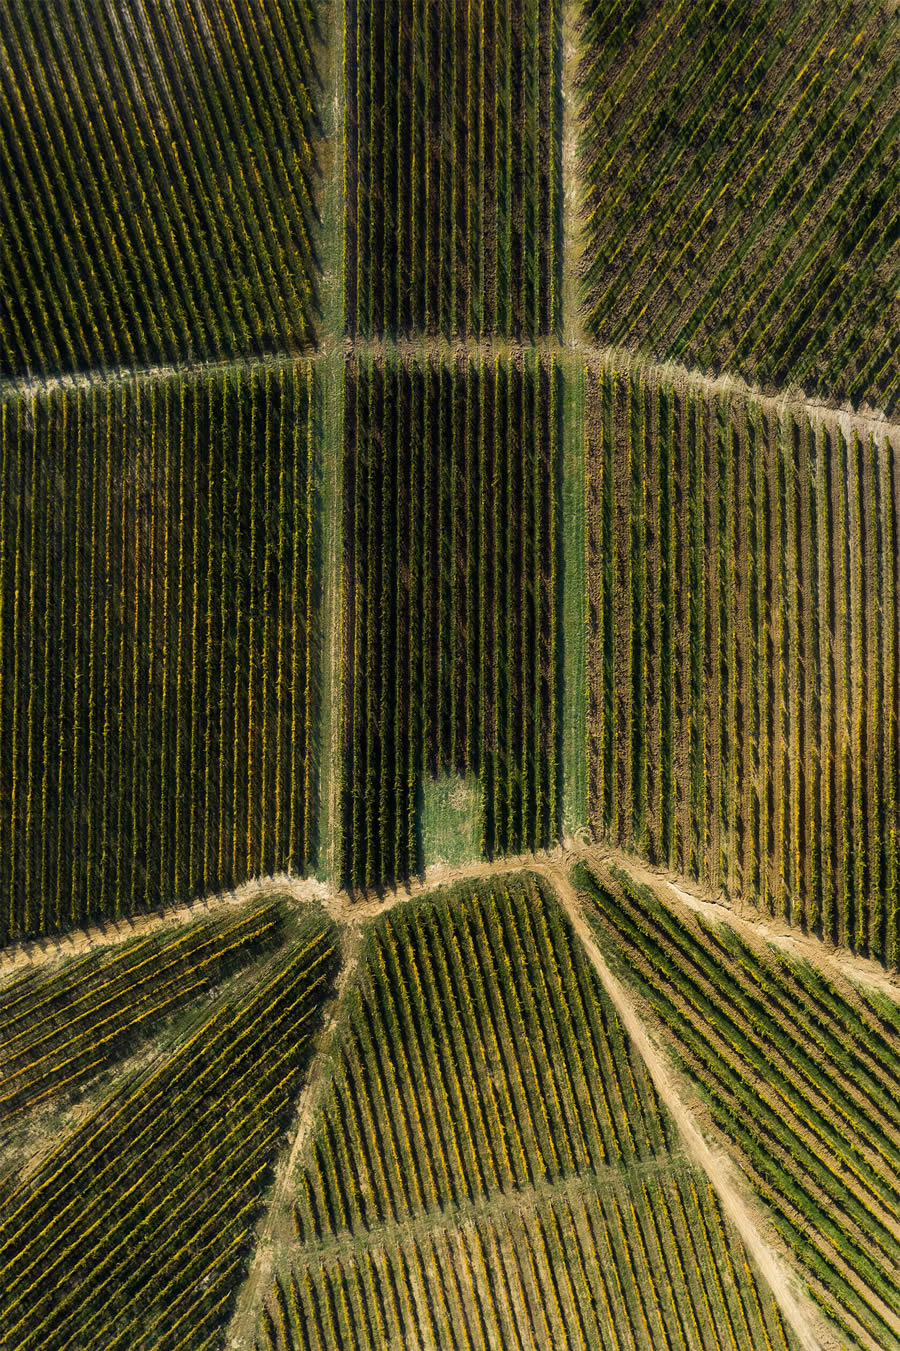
x,y
797,1309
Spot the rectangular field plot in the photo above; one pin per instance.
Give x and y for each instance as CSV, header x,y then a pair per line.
x,y
157,612
450,607
647,1266
156,167
452,166
741,179
742,649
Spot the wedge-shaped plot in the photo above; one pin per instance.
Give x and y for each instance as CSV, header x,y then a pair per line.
x,y
133,1232
799,1070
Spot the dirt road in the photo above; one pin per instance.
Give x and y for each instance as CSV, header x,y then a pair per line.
x,y
796,1308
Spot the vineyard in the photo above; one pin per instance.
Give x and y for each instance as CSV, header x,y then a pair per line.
x,y
800,1072
740,176
132,1232
157,619
648,1267
446,475
58,1030
158,173
742,649
450,601
491,1165
452,144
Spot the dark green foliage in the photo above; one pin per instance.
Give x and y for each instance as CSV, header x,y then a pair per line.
x,y
452,164
156,180
449,625
742,177
133,1233
155,612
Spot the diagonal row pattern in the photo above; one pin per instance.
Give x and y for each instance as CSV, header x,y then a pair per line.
x,y
741,175
156,180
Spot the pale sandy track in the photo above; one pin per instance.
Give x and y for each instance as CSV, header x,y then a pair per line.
x,y
242,1329
797,1309
361,908
866,421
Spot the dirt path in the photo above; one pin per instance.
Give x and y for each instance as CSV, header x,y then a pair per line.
x,y
352,912
362,907
276,1231
42,951
875,423
797,1309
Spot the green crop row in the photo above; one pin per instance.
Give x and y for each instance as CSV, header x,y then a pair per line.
x,y
479,1057
742,175
452,163
156,682
648,1266
157,170
60,1026
450,604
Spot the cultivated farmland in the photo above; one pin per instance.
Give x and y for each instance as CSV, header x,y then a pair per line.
x,y
58,1030
449,524
157,166
800,1072
741,176
742,652
450,601
452,142
156,539
131,1232
491,1165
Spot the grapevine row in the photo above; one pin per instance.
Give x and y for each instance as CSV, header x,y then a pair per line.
x,y
800,1076
452,164
157,169
130,1233
646,1265
480,1056
57,1029
741,174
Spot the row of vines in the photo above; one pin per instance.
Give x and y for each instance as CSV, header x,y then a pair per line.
x,y
133,1232
743,650
452,146
156,181
157,673
741,171
450,643
489,1163
800,1071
